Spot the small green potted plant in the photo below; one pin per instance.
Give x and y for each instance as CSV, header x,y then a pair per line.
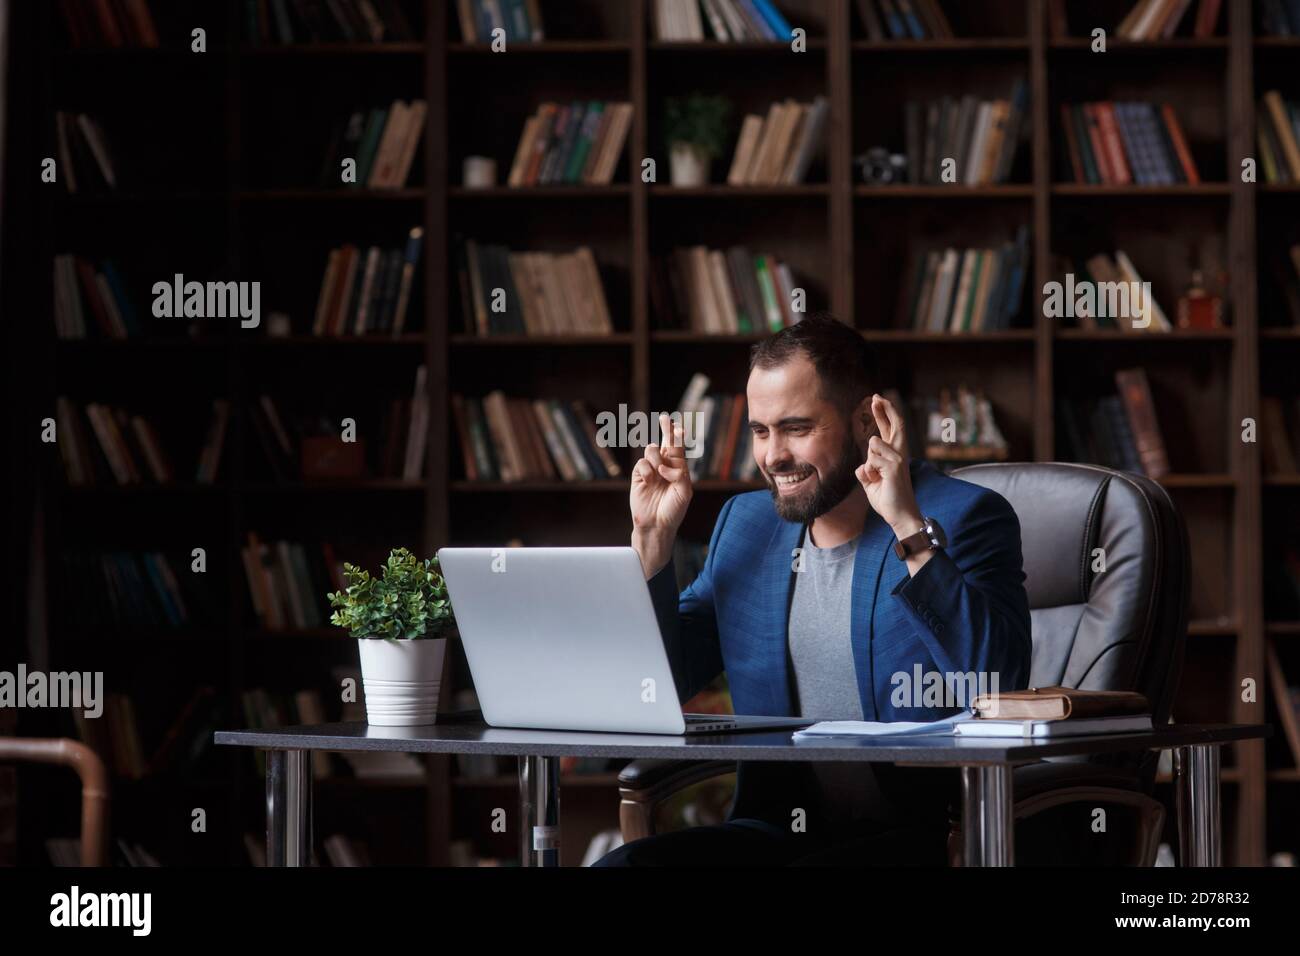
x,y
401,621
695,127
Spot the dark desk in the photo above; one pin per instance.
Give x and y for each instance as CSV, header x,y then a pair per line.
x,y
986,765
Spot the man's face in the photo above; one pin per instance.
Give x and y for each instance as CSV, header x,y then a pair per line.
x,y
804,445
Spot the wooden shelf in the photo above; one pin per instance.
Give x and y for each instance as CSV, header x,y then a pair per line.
x,y
724,191
1117,45
999,336
542,487
340,486
540,192
291,50
1180,191
542,48
1144,338
715,47
619,339
376,341
953,45
950,191
344,194
679,337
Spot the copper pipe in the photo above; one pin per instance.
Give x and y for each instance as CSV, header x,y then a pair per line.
x,y
94,785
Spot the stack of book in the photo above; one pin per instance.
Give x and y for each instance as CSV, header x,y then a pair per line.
x,y
519,20
133,591
382,140
719,442
85,160
980,136
1159,19
285,22
1055,712
1279,428
971,290
515,439
127,23
530,293
1119,143
723,291
1114,297
1117,431
1278,18
312,447
578,143
91,302
1278,132
287,583
727,21
904,20
1147,20
367,292
126,449
959,426
780,148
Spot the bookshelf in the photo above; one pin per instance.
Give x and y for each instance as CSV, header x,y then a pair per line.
x,y
233,206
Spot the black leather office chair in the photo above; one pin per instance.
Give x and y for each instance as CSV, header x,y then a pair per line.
x,y
1119,629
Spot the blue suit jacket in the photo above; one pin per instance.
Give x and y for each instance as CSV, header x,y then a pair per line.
x,y
965,610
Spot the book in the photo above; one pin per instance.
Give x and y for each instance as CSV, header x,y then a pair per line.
x,y
575,143
1059,703
1078,727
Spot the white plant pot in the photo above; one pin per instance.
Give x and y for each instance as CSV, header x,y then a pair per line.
x,y
688,165
401,679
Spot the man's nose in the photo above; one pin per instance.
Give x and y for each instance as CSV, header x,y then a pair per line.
x,y
776,453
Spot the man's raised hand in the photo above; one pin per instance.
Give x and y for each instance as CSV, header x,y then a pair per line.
x,y
661,491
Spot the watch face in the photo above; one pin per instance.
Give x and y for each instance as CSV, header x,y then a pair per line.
x,y
936,533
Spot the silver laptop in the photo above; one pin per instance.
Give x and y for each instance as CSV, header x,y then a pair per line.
x,y
566,639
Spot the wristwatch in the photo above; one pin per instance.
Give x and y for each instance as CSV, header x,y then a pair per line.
x,y
930,536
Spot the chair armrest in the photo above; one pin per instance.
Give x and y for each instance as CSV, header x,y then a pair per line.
x,y
94,785
644,784
650,781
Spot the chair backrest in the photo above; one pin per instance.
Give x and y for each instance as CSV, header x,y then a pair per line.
x,y
1121,628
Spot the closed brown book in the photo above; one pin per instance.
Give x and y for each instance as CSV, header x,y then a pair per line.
x,y
1059,703
1135,393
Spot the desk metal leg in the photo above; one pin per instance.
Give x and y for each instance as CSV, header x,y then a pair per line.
x,y
988,822
1199,812
288,808
539,806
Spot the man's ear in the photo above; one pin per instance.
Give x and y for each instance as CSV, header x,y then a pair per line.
x,y
864,423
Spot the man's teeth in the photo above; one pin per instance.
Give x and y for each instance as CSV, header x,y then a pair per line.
x,y
791,479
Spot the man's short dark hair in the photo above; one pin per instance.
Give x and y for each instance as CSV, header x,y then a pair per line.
x,y
845,363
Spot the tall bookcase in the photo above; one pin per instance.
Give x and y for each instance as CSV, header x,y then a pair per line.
x,y
229,206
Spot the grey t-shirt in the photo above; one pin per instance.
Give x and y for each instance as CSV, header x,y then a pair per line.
x,y
821,653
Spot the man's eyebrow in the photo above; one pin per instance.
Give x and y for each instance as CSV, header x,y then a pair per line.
x,y
783,423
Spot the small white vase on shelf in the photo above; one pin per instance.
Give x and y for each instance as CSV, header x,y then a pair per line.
x,y
688,164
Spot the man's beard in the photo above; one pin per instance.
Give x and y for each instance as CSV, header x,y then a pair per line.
x,y
830,489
